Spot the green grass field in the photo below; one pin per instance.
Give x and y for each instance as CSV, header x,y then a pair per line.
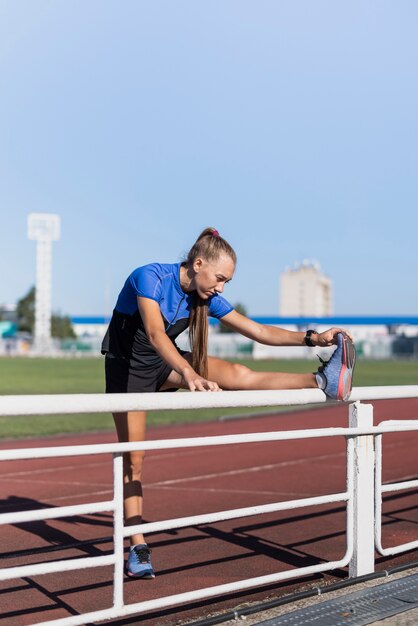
x,y
85,375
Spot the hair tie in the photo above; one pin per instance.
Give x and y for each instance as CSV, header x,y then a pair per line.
x,y
215,233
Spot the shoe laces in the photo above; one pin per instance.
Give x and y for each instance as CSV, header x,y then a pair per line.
x,y
323,363
142,553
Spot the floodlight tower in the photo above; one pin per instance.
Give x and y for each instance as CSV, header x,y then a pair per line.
x,y
44,228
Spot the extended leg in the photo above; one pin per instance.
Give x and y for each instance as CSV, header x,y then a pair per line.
x,y
233,377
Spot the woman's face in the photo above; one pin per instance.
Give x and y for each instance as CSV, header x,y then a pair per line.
x,y
211,276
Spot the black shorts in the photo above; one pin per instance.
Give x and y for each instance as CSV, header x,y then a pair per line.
x,y
128,376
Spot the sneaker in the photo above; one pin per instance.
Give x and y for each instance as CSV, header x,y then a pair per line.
x,y
139,562
335,376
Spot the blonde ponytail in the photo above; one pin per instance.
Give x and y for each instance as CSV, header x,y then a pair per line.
x,y
209,246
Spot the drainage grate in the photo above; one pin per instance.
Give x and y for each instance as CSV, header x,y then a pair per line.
x,y
356,609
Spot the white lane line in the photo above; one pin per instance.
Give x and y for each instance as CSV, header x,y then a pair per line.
x,y
214,490
246,470
150,457
76,496
85,495
51,483
58,468
258,468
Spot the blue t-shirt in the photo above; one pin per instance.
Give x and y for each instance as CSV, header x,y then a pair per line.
x,y
126,336
161,282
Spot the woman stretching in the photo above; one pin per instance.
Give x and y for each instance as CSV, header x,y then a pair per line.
x,y
159,301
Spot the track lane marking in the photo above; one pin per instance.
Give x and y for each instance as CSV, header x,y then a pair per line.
x,y
55,482
214,490
68,497
245,470
52,469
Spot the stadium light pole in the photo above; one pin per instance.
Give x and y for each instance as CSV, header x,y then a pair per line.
x,y
44,228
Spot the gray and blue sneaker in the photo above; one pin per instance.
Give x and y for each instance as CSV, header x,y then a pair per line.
x,y
139,562
335,376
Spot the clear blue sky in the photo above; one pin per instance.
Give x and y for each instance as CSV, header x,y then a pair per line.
x,y
290,126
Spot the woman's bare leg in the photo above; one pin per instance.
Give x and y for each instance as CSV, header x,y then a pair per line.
x,y
234,376
131,427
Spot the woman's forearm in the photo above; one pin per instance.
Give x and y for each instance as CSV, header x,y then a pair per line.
x,y
166,349
274,336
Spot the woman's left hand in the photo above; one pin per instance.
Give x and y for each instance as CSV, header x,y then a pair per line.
x,y
329,337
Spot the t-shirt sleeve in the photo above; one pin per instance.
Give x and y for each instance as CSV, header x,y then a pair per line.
x,y
146,281
218,306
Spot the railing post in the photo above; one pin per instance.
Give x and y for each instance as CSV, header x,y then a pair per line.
x,y
118,540
362,562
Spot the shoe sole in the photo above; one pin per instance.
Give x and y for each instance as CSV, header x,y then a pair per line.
x,y
144,576
348,361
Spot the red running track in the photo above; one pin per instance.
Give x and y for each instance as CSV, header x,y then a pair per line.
x,y
195,481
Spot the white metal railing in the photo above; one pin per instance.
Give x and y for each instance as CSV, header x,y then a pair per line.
x,y
380,489
359,553
98,403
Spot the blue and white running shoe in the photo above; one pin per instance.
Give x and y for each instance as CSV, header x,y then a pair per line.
x,y
336,375
139,562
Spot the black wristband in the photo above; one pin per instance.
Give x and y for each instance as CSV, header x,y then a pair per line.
x,y
307,339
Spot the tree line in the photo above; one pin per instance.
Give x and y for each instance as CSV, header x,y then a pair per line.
x,y
61,325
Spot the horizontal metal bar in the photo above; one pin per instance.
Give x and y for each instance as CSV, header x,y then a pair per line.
x,y
394,422
120,402
164,444
198,594
407,484
19,517
383,392
100,403
220,516
39,569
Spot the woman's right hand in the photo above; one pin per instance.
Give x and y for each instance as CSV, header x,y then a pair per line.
x,y
198,383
